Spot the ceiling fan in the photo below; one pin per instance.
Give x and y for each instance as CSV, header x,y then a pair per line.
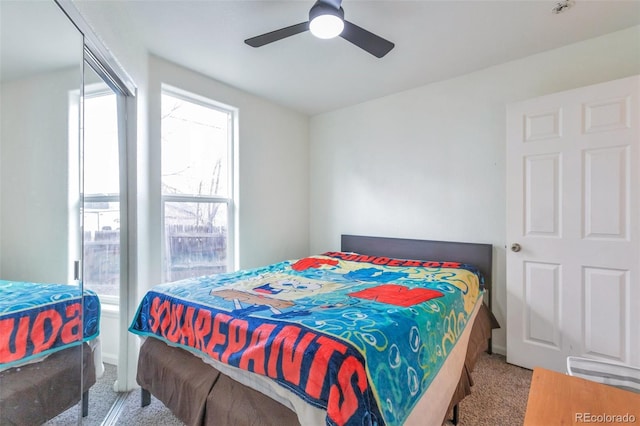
x,y
326,20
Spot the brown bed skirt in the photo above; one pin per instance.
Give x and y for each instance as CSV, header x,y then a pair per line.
x,y
198,394
479,342
34,393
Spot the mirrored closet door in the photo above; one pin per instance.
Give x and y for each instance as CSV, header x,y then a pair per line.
x,y
43,368
63,257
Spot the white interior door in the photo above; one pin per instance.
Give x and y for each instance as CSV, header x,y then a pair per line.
x,y
573,214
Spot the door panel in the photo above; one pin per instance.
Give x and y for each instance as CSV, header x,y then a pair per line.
x,y
606,193
542,304
542,188
573,189
605,290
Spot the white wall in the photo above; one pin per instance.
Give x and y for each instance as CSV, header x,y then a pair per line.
x,y
35,178
429,163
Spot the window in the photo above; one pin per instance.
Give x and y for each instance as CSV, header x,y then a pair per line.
x,y
101,208
197,184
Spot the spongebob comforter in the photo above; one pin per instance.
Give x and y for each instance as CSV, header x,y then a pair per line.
x,y
361,337
37,319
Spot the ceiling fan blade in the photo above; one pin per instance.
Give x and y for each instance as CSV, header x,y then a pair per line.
x,y
366,40
336,4
276,35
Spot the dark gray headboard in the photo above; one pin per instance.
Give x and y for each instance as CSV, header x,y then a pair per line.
x,y
478,254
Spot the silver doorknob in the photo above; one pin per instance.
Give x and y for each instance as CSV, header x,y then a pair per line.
x,y
515,247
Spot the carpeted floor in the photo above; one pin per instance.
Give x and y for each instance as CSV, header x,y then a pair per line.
x,y
499,395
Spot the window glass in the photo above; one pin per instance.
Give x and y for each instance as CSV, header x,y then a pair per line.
x,y
101,144
196,238
101,208
197,137
194,148
102,247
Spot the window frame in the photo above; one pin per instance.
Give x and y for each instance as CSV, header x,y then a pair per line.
x,y
230,200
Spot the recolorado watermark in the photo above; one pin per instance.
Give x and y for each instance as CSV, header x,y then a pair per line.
x,y
605,418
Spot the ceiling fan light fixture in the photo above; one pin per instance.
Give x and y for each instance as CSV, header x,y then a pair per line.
x,y
326,26
325,21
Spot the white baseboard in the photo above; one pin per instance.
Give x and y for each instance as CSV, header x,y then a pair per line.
x,y
499,349
110,359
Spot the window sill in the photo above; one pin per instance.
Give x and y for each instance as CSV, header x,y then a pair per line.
x,y
109,307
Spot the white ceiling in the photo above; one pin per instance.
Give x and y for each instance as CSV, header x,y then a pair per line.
x,y
434,40
27,46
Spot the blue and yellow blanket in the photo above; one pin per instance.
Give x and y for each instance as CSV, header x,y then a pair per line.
x,y
37,319
360,336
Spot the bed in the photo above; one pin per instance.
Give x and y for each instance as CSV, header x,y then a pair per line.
x,y
49,350
385,331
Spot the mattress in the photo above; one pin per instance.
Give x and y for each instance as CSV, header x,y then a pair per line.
x,y
351,338
38,319
198,394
